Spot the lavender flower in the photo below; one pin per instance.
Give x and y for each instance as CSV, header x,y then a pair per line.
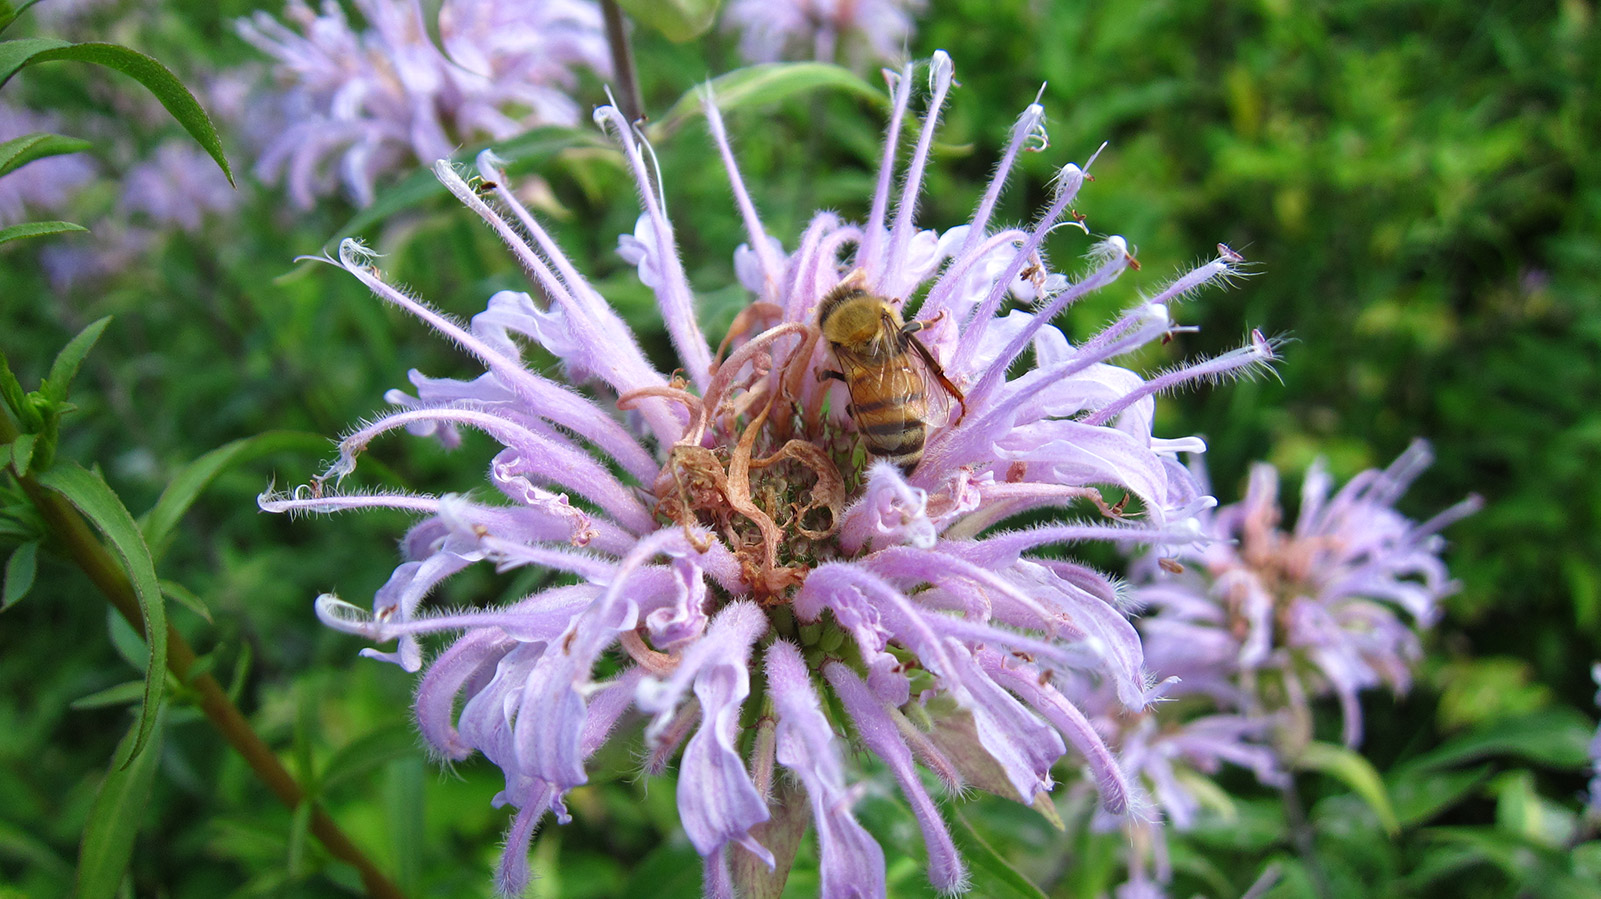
x,y
1593,808
384,97
737,558
855,32
1262,619
177,186
1169,753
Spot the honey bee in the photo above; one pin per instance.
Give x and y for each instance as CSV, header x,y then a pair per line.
x,y
885,368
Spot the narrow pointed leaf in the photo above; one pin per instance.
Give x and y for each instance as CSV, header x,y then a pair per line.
x,y
1555,737
20,569
10,11
18,53
126,693
992,874
299,832
65,366
677,20
1356,772
36,229
194,478
22,453
19,151
118,811
185,597
764,84
366,753
155,77
90,494
16,399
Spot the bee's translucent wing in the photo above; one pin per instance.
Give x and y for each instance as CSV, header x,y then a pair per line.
x,y
946,405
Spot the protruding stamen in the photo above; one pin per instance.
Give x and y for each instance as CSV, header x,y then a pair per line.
x,y
940,77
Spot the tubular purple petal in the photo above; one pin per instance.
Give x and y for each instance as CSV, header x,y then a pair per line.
x,y
850,860
878,732
673,292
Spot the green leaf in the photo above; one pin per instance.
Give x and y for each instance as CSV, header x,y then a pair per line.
x,y
367,752
90,494
299,831
22,842
202,666
677,20
1421,794
126,640
118,811
761,85
185,597
23,230
22,453
9,13
19,151
1558,737
194,478
16,398
20,568
992,874
522,153
126,693
156,78
1356,772
405,786
65,367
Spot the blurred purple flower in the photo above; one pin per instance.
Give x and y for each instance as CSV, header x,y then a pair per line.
x,y
1594,808
386,96
43,186
736,556
1169,753
112,246
1262,619
858,33
177,186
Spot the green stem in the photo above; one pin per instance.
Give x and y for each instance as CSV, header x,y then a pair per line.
x,y
90,554
1301,835
622,58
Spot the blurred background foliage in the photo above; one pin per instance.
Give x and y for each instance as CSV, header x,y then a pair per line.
x,y
1415,183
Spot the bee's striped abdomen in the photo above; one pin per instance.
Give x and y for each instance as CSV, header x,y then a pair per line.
x,y
891,423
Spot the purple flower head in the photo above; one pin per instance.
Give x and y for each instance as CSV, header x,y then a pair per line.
x,y
855,32
1262,619
383,97
738,556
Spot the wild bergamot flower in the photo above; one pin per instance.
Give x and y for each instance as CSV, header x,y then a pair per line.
x,y
378,99
1261,619
746,580
852,32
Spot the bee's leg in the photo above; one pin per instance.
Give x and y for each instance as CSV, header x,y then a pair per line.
x,y
824,374
915,325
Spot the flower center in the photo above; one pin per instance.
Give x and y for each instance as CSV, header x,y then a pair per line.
x,y
760,464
